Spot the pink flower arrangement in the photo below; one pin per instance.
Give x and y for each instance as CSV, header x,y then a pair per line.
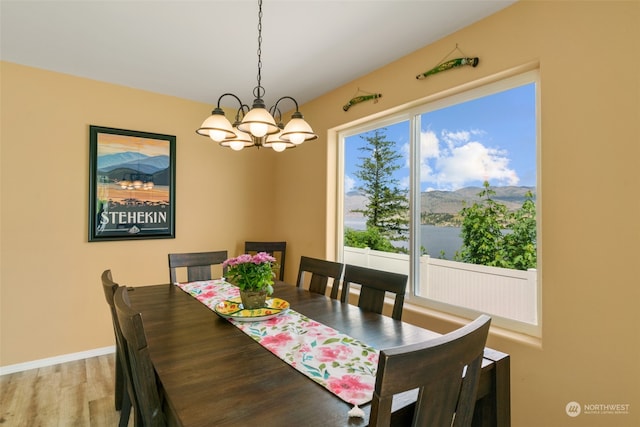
x,y
251,272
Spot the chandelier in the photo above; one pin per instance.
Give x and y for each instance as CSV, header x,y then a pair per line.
x,y
257,127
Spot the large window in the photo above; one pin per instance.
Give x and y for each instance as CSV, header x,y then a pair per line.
x,y
447,193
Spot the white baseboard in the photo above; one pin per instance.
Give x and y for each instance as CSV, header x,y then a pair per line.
x,y
19,367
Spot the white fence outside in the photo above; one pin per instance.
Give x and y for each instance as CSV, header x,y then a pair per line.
x,y
511,294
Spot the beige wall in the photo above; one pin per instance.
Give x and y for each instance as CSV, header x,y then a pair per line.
x,y
587,52
590,90
51,298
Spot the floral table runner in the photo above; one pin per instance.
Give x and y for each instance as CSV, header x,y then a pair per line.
x,y
343,365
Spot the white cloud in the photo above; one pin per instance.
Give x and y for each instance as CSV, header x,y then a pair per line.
x,y
429,149
404,183
474,162
429,144
349,183
456,160
458,136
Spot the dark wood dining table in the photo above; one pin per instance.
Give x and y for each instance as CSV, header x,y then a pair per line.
x,y
213,374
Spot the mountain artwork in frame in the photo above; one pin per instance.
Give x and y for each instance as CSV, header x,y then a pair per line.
x,y
131,185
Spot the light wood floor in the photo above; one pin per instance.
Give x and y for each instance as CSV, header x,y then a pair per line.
x,y
78,393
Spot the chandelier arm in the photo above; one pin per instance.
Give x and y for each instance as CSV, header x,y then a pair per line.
x,y
241,110
276,113
286,97
258,126
232,95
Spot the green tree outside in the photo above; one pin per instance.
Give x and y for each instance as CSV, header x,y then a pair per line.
x,y
387,206
369,238
519,246
493,236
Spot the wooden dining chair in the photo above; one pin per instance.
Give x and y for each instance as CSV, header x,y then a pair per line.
x,y
321,271
198,264
123,400
141,372
374,285
446,372
275,249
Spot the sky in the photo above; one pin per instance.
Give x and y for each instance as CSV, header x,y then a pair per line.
x,y
113,143
491,138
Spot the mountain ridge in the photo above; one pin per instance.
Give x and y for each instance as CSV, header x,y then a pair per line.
x,y
138,162
450,202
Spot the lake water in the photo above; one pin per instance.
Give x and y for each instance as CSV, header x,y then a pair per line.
x,y
434,239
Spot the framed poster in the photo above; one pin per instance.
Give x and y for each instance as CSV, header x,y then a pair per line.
x,y
131,185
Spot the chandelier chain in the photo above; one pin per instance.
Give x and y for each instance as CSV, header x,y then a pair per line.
x,y
257,126
259,90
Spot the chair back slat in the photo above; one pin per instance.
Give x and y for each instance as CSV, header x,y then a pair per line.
x,y
374,285
445,370
198,264
142,373
124,394
321,271
278,250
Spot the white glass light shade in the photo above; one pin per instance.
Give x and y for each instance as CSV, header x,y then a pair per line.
x,y
240,141
279,146
297,138
217,127
137,184
298,131
217,135
258,122
274,141
236,145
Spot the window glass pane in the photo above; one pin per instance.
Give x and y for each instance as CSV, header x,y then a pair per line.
x,y
466,165
376,204
491,139
478,187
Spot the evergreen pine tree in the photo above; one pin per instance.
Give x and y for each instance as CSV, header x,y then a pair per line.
x,y
387,205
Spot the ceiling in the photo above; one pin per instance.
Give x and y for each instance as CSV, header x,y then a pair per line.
x,y
198,50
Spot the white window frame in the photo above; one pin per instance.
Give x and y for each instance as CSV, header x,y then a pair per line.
x,y
412,113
